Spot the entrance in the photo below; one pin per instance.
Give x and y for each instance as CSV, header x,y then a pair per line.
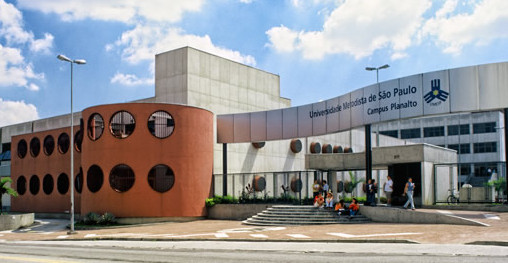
x,y
400,173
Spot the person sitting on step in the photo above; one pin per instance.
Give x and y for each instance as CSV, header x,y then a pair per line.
x,y
354,207
329,200
319,201
341,208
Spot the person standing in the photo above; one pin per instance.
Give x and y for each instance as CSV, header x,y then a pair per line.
x,y
408,190
315,188
388,188
325,188
370,192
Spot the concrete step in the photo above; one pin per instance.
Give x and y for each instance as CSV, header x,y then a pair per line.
x,y
302,215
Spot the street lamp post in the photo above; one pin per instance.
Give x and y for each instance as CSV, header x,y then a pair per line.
x,y
368,143
377,70
72,62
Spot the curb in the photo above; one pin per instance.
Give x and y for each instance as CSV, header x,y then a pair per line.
x,y
489,243
392,241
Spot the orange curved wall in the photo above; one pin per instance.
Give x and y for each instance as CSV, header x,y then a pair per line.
x,y
188,151
54,164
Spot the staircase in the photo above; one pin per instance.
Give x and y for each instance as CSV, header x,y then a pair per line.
x,y
301,215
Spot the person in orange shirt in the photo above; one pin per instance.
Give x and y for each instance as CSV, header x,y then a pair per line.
x,y
319,201
340,207
354,207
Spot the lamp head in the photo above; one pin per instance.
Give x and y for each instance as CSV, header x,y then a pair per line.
x,y
370,68
79,61
64,58
384,66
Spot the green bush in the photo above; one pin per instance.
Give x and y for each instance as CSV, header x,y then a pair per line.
x,y
96,219
92,219
108,219
209,202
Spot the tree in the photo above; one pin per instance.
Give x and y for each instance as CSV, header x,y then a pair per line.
x,y
351,185
6,189
499,185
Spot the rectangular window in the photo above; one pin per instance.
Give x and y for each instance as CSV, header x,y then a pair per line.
x,y
485,127
463,148
410,133
465,169
484,169
433,131
485,147
458,129
394,133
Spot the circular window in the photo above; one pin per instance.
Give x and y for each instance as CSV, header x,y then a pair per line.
x,y
121,178
63,183
22,148
63,143
49,145
161,178
78,181
161,124
95,126
21,185
78,140
122,124
47,184
94,178
34,184
35,146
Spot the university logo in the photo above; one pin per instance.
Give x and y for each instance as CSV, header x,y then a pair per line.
x,y
436,93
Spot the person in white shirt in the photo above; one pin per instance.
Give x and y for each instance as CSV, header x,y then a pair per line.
x,y
388,189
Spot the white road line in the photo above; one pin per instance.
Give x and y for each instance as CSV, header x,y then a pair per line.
x,y
491,216
218,235
62,237
298,236
90,235
372,235
47,233
259,235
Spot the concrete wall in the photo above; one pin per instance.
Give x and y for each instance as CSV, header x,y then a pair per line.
x,y
235,211
15,221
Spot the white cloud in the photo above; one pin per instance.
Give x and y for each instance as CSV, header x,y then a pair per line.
x,y
487,22
43,44
11,28
357,28
12,112
246,1
33,87
14,71
130,80
127,11
282,38
142,42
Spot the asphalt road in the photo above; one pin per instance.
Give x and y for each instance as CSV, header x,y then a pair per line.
x,y
228,251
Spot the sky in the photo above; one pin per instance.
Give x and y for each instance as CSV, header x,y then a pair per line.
x,y
319,48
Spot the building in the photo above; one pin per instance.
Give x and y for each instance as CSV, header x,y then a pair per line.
x,y
477,137
146,158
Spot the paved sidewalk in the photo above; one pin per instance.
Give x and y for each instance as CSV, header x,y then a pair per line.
x,y
496,233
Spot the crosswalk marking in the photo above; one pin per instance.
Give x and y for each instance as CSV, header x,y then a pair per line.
x,y
372,235
298,236
62,237
218,235
259,235
90,235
